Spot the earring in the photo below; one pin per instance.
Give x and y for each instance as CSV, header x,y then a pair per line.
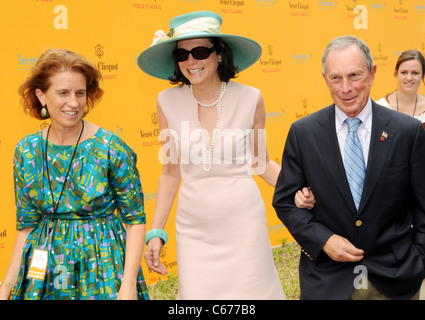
x,y
220,60
44,113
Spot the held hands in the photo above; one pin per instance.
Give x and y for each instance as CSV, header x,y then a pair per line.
x,y
153,249
342,250
305,199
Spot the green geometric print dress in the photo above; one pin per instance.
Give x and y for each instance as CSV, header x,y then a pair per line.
x,y
85,239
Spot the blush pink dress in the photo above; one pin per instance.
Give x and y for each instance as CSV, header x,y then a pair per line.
x,y
223,248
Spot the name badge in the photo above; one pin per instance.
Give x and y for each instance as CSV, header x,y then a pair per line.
x,y
38,265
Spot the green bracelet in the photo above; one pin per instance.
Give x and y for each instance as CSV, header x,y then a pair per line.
x,y
157,233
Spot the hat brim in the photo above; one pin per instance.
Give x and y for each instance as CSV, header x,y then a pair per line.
x,y
158,61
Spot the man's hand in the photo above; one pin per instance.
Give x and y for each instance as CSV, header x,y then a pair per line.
x,y
342,250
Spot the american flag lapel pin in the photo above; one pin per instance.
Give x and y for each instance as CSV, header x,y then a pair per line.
x,y
384,135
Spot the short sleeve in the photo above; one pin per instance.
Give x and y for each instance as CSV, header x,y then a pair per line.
x,y
125,183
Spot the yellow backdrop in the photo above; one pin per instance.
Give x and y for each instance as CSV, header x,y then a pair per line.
x,y
112,33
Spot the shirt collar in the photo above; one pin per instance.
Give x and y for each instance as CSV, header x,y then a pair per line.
x,y
365,116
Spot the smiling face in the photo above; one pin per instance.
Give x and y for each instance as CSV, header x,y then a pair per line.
x,y
199,71
65,99
349,79
409,75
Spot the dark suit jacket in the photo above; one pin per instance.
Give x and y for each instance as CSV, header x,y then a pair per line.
x,y
390,223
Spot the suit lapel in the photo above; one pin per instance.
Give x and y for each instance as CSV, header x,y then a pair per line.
x,y
327,142
381,139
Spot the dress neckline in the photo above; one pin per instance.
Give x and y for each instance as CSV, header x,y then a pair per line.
x,y
70,145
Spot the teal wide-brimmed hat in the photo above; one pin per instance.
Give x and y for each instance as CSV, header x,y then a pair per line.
x,y
157,60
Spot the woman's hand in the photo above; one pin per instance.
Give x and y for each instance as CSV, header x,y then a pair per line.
x,y
305,198
127,291
4,292
153,249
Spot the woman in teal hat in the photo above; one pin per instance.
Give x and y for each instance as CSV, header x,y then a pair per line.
x,y
213,137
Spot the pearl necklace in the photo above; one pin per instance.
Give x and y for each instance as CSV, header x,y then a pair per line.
x,y
223,88
208,160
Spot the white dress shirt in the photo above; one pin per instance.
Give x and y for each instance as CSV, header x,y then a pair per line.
x,y
363,131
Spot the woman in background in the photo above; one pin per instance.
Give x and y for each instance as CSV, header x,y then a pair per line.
x,y
410,72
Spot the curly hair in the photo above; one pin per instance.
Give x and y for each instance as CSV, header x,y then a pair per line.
x,y
51,62
226,69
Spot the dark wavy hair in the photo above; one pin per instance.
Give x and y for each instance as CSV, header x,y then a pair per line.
x,y
226,69
51,62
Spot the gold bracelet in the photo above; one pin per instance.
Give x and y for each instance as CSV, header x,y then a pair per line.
x,y
11,289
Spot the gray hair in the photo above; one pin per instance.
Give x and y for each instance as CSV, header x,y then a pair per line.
x,y
344,42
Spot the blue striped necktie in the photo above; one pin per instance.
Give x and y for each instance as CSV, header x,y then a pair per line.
x,y
354,161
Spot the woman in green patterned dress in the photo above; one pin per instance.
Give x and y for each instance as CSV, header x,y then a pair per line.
x,y
76,185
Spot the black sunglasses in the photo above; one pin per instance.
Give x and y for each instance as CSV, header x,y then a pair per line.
x,y
198,53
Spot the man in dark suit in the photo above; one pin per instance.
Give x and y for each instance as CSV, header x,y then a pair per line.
x,y
371,245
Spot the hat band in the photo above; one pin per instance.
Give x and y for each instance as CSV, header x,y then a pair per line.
x,y
199,26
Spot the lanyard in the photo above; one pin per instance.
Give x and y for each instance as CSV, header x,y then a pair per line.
x,y
56,205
